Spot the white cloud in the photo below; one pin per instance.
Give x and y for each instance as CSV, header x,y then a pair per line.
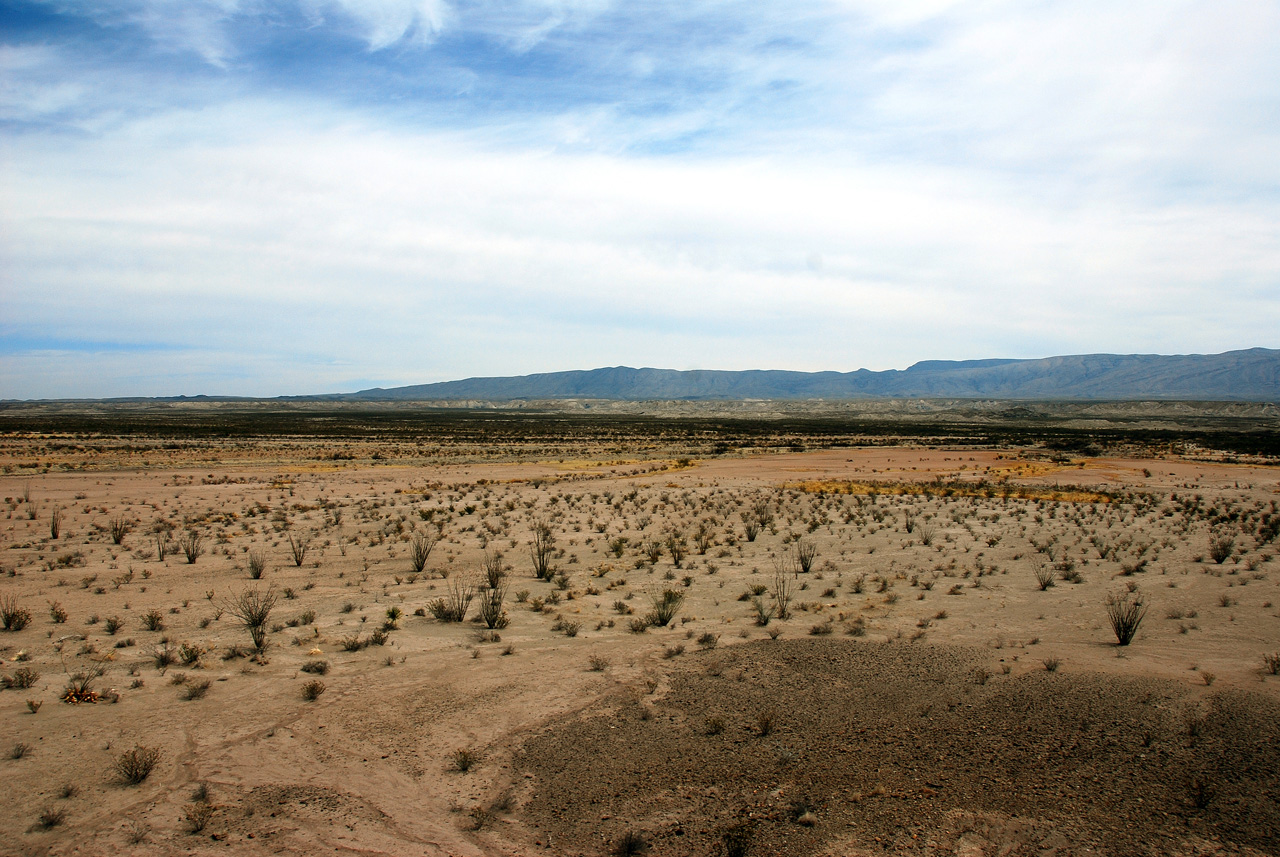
x,y
388,22
422,257
977,179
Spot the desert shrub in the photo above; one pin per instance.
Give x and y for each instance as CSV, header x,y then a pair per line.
x,y
463,760
165,656
677,547
665,606
459,592
257,564
119,527
766,721
57,613
298,548
1272,663
708,640
192,544
196,815
764,610
13,617
153,620
315,667
1125,611
80,686
22,678
190,654
638,625
1220,547
491,598
420,550
596,664
112,624
805,554
783,591
378,637
714,725
542,549
253,607
352,643
134,766
196,689
311,690
673,651
20,751
1051,664
1044,575
50,817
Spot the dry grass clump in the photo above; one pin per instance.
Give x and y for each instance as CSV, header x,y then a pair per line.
x,y
311,690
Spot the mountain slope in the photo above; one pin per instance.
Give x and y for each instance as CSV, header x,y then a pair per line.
x,y
1248,375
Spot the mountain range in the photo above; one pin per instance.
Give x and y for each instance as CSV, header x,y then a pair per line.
x,y
1247,375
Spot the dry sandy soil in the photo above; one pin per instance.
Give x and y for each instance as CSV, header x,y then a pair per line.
x,y
924,696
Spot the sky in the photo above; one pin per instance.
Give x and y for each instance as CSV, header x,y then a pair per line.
x,y
286,197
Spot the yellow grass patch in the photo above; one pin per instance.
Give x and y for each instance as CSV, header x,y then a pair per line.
x,y
950,489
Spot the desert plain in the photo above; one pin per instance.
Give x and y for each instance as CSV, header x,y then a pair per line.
x,y
605,646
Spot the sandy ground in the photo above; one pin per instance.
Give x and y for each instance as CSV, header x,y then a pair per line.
x,y
905,706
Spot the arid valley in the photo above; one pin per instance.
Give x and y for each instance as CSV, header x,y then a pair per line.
x,y
307,643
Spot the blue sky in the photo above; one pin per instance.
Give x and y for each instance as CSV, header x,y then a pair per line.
x,y
244,197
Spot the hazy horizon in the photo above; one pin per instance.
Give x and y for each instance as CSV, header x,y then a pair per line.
x,y
252,198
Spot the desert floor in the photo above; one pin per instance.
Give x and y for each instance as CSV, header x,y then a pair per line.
x,y
925,695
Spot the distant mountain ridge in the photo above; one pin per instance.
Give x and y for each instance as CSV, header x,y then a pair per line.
x,y
1248,375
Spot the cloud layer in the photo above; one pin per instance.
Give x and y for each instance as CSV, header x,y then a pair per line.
x,y
239,197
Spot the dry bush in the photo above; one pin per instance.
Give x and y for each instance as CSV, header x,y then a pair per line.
x,y
22,678
805,554
459,592
542,549
196,689
196,815
134,766
192,544
1044,575
298,548
463,760
13,617
257,564
1126,610
119,527
252,608
311,690
1220,547
665,606
420,550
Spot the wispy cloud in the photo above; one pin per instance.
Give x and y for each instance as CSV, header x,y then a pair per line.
x,y
328,190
